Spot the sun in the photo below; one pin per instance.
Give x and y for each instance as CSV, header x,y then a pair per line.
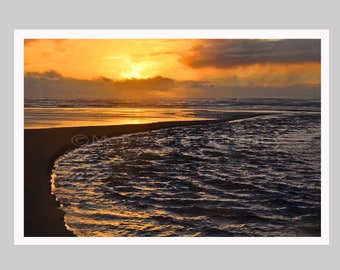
x,y
135,71
131,74
140,70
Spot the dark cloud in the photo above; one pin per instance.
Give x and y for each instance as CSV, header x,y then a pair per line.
x,y
237,52
156,83
50,74
51,84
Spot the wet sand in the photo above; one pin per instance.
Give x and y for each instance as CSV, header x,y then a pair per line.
x,y
42,217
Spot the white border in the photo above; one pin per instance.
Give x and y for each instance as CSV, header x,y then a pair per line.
x,y
325,137
20,35
18,138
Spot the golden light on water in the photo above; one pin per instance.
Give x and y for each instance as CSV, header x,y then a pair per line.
x,y
128,221
71,117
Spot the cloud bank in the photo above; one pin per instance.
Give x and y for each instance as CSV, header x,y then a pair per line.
x,y
52,85
229,53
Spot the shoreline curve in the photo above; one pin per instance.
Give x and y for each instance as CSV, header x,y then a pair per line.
x,y
42,217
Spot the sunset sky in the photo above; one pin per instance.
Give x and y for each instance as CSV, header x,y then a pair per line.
x,y
170,68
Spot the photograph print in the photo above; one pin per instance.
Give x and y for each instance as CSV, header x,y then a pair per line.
x,y
172,137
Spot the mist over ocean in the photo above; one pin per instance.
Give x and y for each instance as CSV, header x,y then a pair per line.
x,y
252,177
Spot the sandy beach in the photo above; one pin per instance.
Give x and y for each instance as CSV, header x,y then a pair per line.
x,y
41,148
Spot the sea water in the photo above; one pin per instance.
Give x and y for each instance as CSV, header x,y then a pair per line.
x,y
253,177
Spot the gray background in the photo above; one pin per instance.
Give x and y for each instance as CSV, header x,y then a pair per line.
x,y
160,14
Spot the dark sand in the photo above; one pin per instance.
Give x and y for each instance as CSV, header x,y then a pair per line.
x,y
41,148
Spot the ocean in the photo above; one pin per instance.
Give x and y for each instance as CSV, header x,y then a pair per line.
x,y
255,177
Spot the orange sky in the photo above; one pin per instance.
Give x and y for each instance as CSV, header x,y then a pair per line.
x,y
237,63
114,59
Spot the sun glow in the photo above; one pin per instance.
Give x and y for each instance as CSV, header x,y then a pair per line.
x,y
134,72
142,70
